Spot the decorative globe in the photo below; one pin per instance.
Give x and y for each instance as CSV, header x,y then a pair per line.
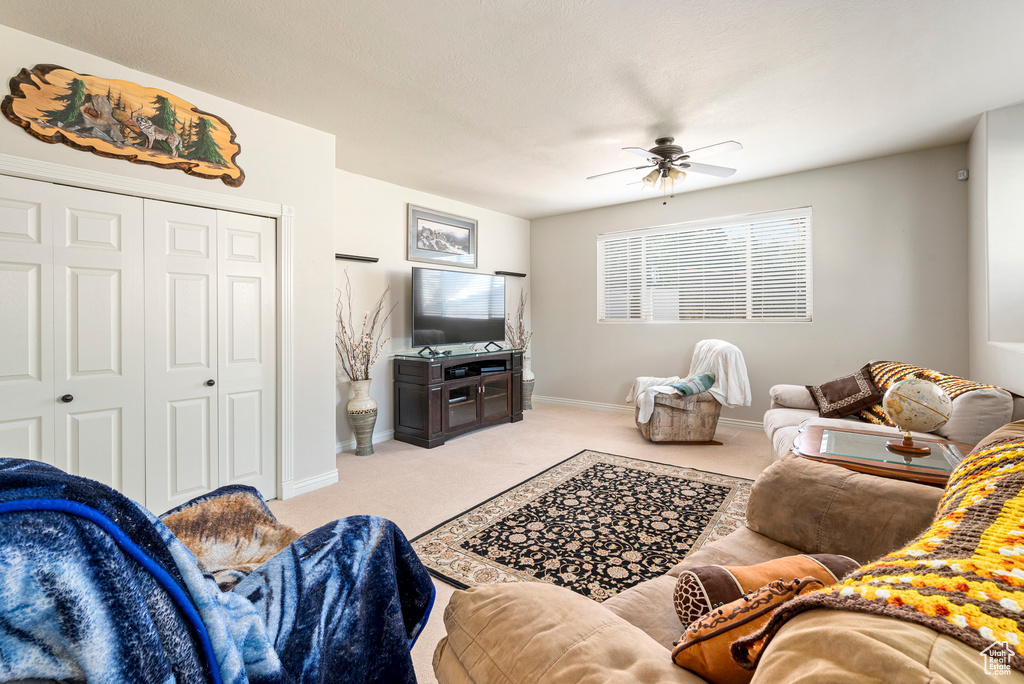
x,y
917,405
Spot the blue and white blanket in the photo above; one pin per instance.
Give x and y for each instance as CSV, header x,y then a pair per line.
x,y
93,587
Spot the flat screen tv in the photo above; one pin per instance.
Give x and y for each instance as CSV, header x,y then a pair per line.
x,y
453,307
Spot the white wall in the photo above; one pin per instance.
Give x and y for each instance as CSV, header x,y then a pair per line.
x,y
371,220
283,162
889,257
997,248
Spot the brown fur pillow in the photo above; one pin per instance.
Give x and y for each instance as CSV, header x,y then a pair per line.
x,y
230,534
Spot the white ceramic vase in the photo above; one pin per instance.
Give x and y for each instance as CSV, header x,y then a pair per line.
x,y
362,416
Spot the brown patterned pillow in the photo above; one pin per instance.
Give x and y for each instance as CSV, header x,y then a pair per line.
x,y
700,590
706,646
846,395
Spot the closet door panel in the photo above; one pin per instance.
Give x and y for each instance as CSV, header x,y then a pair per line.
x,y
22,334
188,321
247,371
94,444
26,438
243,444
182,422
27,399
99,334
189,444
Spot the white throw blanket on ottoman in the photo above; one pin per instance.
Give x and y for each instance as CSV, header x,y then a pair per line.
x,y
643,390
724,360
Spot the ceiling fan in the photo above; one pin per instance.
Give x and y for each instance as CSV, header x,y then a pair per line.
x,y
671,163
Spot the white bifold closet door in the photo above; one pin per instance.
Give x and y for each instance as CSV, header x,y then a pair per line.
x,y
210,352
71,331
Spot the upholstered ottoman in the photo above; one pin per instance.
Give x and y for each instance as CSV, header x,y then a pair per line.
x,y
679,419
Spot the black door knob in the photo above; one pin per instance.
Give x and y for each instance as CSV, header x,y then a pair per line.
x,y
67,398
210,382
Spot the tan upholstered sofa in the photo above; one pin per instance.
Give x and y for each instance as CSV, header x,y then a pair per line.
x,y
533,632
975,414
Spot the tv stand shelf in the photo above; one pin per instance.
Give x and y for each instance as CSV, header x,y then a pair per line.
x,y
443,396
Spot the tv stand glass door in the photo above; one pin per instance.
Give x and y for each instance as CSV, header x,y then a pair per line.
x,y
496,395
462,403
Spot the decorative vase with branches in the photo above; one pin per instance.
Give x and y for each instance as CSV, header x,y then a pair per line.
x,y
516,333
519,337
358,351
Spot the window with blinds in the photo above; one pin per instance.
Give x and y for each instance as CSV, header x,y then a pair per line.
x,y
744,267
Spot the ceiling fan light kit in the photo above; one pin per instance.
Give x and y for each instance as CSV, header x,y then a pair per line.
x,y
673,176
670,160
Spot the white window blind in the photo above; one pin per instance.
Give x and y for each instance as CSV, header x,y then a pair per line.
x,y
744,267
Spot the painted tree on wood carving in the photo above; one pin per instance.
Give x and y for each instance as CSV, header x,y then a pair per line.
x,y
204,147
74,100
164,118
188,129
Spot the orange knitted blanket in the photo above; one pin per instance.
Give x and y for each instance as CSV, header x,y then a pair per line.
x,y
888,373
964,576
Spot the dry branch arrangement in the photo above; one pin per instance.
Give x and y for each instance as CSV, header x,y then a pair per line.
x,y
358,352
515,331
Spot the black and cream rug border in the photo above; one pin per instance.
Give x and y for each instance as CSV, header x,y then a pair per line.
x,y
595,523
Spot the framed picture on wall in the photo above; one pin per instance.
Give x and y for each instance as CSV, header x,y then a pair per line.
x,y
439,238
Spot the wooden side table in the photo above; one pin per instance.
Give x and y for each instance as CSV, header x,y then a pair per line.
x,y
865,452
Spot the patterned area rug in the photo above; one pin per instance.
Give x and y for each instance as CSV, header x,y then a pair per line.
x,y
595,523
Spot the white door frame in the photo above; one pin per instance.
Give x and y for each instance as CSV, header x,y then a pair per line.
x,y
284,214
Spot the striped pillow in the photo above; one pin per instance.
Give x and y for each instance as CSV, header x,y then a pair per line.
x,y
695,384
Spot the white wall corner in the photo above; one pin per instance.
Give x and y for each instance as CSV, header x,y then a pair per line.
x,y
286,349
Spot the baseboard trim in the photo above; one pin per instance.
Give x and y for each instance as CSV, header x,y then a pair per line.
x,y
579,403
626,408
311,484
378,437
742,424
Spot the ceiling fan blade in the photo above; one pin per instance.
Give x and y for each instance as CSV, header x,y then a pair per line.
x,y
643,153
719,148
720,171
632,168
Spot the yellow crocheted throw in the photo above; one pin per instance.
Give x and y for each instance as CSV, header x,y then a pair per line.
x,y
888,373
964,576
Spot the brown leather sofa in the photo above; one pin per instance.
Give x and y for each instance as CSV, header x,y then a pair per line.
x,y
534,632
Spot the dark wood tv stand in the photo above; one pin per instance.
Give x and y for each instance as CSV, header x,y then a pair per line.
x,y
437,397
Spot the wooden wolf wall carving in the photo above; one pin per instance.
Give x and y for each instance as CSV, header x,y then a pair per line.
x,y
122,120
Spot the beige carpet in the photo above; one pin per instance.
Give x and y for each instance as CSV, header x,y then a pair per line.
x,y
419,488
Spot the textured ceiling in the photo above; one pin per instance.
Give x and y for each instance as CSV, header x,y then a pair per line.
x,y
511,104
